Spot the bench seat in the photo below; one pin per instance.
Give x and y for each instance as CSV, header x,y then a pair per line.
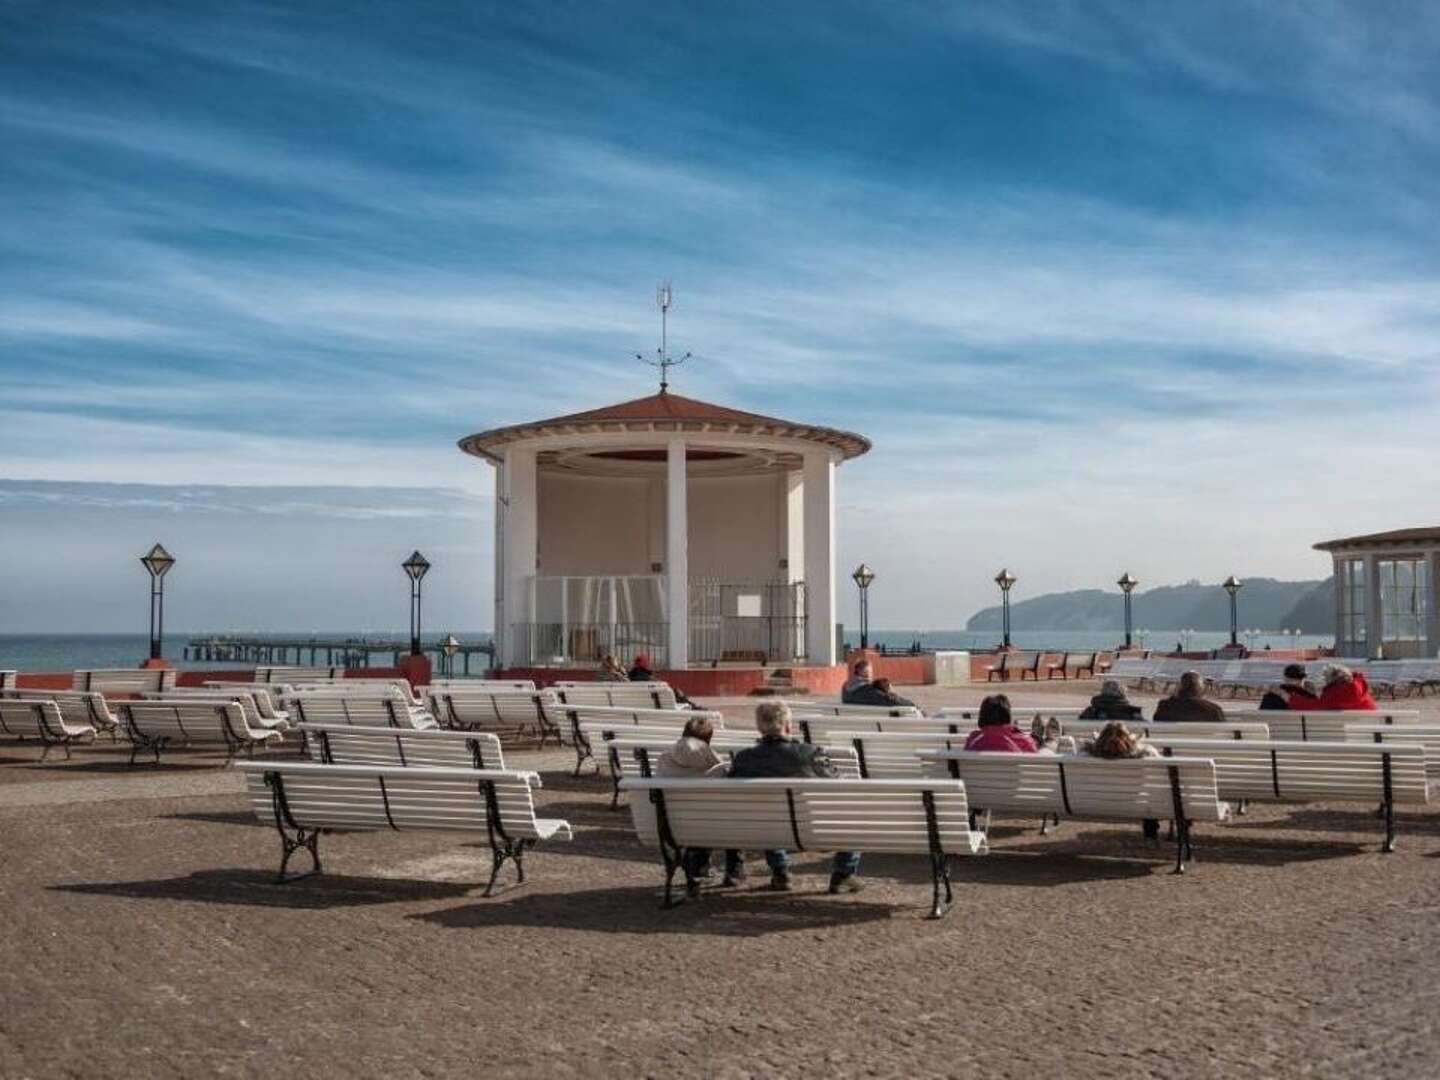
x,y
40,719
402,747
921,817
1076,786
304,800
507,713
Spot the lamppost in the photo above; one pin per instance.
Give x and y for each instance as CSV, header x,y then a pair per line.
x,y
450,646
1233,585
415,567
1006,581
863,576
158,562
1127,585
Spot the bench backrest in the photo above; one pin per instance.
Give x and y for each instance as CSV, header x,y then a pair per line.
x,y
639,754
818,729
1329,726
268,696
298,674
1230,729
80,708
1021,714
506,710
825,708
482,684
373,797
383,711
914,816
891,755
26,718
186,720
1075,785
1426,735
402,747
628,695
1287,770
7,678
610,716
123,680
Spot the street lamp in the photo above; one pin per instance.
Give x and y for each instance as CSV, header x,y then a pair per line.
x,y
863,576
1233,585
415,567
158,562
1006,581
450,646
1127,585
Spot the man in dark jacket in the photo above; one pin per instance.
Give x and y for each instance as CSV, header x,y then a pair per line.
x,y
1189,704
875,693
1294,693
778,755
1110,704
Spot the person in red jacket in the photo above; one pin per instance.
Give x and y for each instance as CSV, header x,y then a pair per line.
x,y
997,731
1345,690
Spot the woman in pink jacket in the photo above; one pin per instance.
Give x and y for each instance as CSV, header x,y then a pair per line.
x,y
996,731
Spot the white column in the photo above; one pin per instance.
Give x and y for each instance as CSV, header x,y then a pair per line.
x,y
677,554
521,539
497,608
795,525
819,497
1432,616
1373,622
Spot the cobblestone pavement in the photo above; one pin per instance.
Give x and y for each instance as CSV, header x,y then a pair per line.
x,y
144,935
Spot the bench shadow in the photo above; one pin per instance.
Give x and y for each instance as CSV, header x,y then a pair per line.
x,y
118,766
258,888
636,910
1357,820
221,817
1210,845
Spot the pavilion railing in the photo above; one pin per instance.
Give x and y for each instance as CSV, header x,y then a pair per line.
x,y
539,644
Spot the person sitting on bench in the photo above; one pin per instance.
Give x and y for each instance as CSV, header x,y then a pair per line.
x,y
692,756
861,675
1110,704
997,732
778,755
1296,692
1188,704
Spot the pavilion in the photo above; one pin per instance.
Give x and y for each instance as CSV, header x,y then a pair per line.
x,y
692,532
1386,602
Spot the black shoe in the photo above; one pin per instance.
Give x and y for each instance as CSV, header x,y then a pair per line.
x,y
779,881
692,890
845,883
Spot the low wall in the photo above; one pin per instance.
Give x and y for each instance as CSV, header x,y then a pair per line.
x,y
699,683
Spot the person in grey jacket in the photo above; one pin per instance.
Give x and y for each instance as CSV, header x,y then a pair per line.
x,y
779,755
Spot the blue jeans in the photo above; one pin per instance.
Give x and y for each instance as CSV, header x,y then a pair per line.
x,y
843,864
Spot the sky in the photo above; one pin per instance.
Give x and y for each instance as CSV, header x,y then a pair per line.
x,y
1111,286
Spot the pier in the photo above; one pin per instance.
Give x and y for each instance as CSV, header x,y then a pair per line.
x,y
333,652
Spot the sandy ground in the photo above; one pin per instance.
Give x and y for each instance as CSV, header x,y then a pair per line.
x,y
144,936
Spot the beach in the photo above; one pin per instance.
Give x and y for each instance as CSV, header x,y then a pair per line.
x,y
147,937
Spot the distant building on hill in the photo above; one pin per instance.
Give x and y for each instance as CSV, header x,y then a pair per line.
x,y
1386,602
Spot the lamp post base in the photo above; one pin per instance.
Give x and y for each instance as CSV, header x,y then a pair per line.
x,y
155,662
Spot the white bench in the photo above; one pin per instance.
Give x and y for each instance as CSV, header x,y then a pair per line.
x,y
482,684
7,678
123,680
577,718
254,716
266,696
1285,771
156,726
382,711
363,688
821,708
305,800
79,708
1418,734
818,729
1078,786
401,747
26,719
1018,713
1329,726
921,817
892,755
639,754
298,674
625,695
511,712
1230,729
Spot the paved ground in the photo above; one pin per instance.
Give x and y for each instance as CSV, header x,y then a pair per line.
x,y
144,936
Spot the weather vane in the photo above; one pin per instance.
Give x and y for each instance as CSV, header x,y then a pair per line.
x,y
665,298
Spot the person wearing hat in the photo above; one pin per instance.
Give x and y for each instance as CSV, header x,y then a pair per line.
x,y
1296,692
1110,704
640,670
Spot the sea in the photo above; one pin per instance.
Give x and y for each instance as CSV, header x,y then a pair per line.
x,y
66,652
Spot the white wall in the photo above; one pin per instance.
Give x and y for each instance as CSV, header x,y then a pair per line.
x,y
736,530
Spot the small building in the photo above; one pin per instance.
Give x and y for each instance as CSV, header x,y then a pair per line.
x,y
1386,602
687,531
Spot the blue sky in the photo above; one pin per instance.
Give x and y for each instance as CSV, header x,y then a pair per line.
x,y
1134,285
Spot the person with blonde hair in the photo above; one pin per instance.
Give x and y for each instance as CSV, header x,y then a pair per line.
x,y
1115,741
611,670
1345,690
693,756
779,755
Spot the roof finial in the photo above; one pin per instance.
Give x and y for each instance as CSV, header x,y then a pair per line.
x,y
665,298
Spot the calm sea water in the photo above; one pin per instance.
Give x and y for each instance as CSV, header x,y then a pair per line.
x,y
66,652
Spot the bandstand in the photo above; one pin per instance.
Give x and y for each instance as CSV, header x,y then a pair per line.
x,y
695,533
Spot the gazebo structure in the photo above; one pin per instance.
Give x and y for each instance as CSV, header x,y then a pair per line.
x,y
694,533
1386,603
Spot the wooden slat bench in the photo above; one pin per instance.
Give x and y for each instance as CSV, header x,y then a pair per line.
x,y
921,817
156,726
648,724
305,800
525,685
573,718
40,719
639,754
123,680
80,708
375,711
1330,726
625,695
825,708
1286,771
999,670
402,748
1030,666
1081,787
508,713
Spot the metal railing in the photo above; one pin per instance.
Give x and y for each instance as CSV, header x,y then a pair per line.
x,y
553,643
